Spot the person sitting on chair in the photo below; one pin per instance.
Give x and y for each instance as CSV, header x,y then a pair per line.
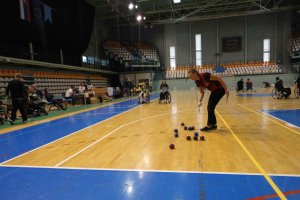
x,y
70,94
249,85
163,90
4,101
55,101
143,96
297,87
81,88
284,92
240,85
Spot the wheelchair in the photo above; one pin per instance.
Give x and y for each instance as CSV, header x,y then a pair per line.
x,y
145,100
276,94
167,98
297,92
1,116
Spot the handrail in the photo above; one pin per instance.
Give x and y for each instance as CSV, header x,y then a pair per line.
x,y
51,65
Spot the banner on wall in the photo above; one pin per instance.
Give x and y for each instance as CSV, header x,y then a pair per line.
x,y
25,10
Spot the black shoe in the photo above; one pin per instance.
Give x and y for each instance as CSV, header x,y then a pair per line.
x,y
206,128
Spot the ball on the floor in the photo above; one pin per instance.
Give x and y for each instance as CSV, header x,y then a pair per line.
x,y
202,137
196,134
182,124
176,135
185,128
188,137
195,137
176,130
172,146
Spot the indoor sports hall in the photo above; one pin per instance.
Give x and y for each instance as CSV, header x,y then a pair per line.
x,y
150,100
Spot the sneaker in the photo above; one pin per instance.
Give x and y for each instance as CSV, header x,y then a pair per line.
x,y
206,128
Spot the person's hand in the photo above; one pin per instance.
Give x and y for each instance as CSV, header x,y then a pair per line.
x,y
227,95
199,104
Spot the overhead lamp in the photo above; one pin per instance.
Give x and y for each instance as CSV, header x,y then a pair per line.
x,y
138,18
130,6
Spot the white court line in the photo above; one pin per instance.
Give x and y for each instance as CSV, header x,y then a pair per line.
x,y
286,123
110,133
147,170
67,135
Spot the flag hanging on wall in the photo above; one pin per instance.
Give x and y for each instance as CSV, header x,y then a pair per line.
x,y
47,13
25,10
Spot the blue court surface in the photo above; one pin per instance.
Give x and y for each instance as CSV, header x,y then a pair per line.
x,y
52,183
288,116
254,95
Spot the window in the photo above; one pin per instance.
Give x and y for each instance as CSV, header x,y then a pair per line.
x,y
84,59
198,49
172,57
267,44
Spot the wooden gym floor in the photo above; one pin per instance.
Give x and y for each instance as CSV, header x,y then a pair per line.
x,y
121,151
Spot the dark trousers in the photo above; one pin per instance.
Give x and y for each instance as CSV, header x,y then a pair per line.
x,y
57,102
72,98
19,104
214,99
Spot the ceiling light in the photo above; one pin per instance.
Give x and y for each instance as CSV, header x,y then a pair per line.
x,y
144,18
136,6
138,18
130,6
177,1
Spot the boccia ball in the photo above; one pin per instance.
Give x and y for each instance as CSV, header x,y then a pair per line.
x,y
182,124
202,138
176,130
195,137
196,134
185,128
176,134
172,146
188,137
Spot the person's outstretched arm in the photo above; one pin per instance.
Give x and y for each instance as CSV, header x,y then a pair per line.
x,y
201,91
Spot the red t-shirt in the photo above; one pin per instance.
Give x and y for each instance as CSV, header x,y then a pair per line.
x,y
205,82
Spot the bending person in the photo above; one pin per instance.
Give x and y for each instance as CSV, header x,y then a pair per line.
x,y
218,89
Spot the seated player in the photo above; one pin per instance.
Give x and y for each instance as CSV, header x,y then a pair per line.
x,y
297,87
240,85
144,94
4,101
163,90
55,101
36,105
249,85
284,92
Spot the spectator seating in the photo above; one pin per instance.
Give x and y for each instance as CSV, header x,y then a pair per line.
x,y
56,82
251,68
294,43
127,51
148,51
116,50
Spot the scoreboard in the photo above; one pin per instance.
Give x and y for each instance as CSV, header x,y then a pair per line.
x,y
231,44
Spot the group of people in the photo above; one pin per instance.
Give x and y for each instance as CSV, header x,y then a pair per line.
x,y
240,85
31,101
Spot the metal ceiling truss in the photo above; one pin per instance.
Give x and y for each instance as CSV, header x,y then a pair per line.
x,y
165,11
